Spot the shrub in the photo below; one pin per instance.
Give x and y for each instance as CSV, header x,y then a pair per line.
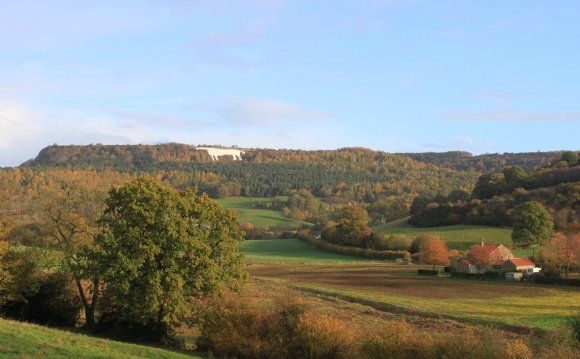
x,y
517,349
54,303
324,337
285,332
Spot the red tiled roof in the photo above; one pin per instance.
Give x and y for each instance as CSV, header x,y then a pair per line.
x,y
498,263
521,261
488,247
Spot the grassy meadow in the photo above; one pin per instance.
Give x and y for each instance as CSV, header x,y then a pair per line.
x,y
23,340
457,236
460,236
291,251
259,217
396,289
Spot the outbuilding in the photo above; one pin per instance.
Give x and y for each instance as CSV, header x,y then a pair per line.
x,y
518,264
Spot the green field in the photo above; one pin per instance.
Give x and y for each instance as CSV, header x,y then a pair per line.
x,y
256,216
457,237
395,288
291,251
22,340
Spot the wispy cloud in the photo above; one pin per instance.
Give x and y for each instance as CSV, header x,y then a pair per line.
x,y
259,111
507,114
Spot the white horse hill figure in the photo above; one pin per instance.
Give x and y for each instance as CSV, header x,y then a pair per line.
x,y
215,153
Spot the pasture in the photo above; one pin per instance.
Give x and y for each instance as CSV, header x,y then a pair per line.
x,y
259,217
291,251
23,340
457,237
395,289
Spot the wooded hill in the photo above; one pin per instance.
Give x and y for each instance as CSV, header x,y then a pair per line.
x,y
496,194
351,173
464,161
385,184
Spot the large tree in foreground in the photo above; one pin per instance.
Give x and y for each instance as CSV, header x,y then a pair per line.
x,y
532,224
160,250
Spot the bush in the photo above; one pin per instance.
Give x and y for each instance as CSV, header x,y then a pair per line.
x,y
427,272
110,325
283,331
55,303
391,242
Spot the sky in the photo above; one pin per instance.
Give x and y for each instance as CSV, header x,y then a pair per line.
x,y
487,76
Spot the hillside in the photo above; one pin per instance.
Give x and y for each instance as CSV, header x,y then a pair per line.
x,y
346,174
23,340
496,194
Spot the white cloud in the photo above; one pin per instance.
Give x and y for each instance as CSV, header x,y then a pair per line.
x,y
259,111
16,123
507,114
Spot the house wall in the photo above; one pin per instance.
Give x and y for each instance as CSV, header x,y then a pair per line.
x,y
510,266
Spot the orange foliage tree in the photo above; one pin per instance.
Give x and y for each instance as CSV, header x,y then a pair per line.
x,y
435,252
565,250
479,255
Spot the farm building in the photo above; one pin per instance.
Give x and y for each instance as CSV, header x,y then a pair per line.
x,y
489,257
518,264
465,266
495,252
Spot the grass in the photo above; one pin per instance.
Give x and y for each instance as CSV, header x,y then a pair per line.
x,y
291,251
457,237
257,216
23,340
395,289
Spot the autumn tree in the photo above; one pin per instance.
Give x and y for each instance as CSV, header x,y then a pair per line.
x,y
532,224
565,251
351,227
160,250
480,256
68,226
434,252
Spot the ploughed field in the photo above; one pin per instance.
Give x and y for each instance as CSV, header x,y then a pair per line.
x,y
396,289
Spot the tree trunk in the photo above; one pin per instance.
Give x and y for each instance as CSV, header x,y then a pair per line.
x,y
89,308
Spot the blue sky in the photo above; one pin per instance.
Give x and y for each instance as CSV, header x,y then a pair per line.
x,y
393,75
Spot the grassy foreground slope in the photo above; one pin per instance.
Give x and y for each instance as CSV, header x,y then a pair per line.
x,y
457,237
23,340
257,216
291,251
